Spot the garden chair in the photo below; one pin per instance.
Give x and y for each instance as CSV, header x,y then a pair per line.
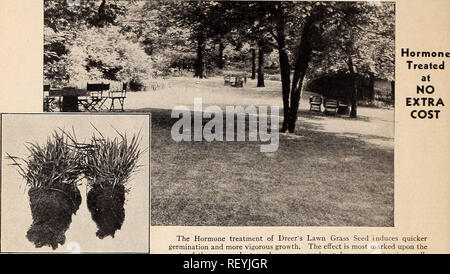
x,y
51,103
343,108
315,103
98,98
95,99
227,80
84,102
330,106
118,95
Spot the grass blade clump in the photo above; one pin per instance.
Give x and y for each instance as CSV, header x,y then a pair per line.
x,y
51,172
108,167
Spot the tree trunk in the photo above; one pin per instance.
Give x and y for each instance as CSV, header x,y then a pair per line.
x,y
393,92
285,86
199,61
354,95
260,66
220,61
371,86
285,68
304,52
253,63
101,14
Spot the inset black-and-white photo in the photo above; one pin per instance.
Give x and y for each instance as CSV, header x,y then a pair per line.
x,y
264,113
75,183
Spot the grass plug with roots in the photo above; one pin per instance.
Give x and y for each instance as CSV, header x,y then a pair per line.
x,y
51,172
108,167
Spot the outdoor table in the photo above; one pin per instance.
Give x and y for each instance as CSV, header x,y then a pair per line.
x,y
70,98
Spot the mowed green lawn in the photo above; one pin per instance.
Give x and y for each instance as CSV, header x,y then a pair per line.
x,y
333,171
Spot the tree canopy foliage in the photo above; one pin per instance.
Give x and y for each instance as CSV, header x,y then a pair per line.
x,y
137,40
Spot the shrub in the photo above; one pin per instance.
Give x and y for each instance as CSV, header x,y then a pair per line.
x,y
337,86
181,73
102,53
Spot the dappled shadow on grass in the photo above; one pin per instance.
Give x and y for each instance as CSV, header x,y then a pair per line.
x,y
322,116
368,136
311,115
314,179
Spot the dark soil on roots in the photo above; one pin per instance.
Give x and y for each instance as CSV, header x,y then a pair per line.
x,y
107,208
52,209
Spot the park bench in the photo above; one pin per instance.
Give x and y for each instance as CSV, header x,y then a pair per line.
x,y
330,106
118,95
315,103
237,81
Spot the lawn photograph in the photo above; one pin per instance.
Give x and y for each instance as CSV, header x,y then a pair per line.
x,y
263,113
